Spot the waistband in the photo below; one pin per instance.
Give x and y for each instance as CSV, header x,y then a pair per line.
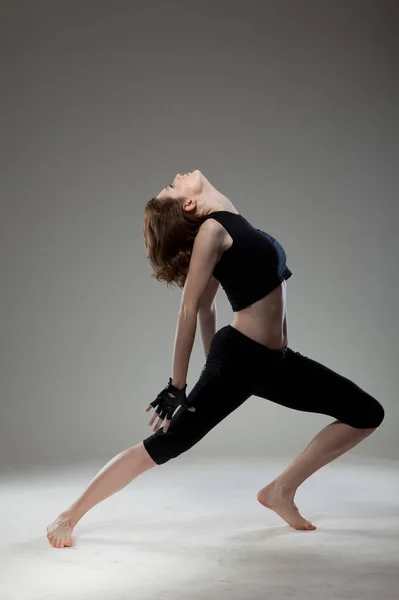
x,y
228,340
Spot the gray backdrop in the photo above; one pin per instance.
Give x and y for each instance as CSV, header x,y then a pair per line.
x,y
288,107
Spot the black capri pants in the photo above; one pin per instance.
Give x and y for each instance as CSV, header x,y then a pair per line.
x,y
238,367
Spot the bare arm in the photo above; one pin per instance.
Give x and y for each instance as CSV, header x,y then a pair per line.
x,y
207,314
207,249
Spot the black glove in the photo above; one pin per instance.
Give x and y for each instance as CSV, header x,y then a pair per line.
x,y
169,399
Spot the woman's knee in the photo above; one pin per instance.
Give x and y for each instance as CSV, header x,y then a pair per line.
x,y
368,415
163,447
379,413
374,414
147,458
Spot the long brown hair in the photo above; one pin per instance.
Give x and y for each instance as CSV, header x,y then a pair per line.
x,y
169,233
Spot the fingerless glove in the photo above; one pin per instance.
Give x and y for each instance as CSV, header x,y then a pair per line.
x,y
169,399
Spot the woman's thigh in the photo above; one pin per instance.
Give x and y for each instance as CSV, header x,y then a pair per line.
x,y
305,384
217,393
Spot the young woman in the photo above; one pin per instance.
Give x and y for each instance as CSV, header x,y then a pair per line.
x,y
196,239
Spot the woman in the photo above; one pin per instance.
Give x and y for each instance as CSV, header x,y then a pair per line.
x,y
196,239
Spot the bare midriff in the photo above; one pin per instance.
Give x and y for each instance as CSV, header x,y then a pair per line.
x,y
265,321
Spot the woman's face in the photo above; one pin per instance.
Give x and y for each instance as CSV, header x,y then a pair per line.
x,y
186,186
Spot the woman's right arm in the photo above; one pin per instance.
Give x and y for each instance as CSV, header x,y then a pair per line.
x,y
207,314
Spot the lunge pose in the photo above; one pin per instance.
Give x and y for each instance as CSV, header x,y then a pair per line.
x,y
196,238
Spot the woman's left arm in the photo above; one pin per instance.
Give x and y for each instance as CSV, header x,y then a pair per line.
x,y
183,345
208,246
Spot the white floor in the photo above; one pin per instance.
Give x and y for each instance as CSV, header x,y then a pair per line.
x,y
192,529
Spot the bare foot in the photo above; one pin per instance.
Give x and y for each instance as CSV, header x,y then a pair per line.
x,y
59,533
283,504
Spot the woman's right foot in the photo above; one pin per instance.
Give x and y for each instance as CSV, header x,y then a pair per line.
x,y
282,503
59,533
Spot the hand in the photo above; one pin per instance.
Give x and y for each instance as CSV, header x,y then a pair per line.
x,y
166,403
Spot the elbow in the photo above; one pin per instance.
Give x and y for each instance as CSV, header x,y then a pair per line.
x,y
188,311
207,309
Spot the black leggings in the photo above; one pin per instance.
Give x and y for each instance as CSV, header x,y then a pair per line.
x,y
238,367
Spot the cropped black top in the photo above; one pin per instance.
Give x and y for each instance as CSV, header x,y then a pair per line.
x,y
253,266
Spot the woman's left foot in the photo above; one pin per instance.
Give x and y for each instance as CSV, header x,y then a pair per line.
x,y
282,502
59,533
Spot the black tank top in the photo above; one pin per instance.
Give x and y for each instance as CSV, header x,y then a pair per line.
x,y
253,266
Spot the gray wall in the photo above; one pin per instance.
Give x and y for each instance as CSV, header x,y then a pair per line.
x,y
288,107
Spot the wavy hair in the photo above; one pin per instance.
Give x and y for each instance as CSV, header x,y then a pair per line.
x,y
169,234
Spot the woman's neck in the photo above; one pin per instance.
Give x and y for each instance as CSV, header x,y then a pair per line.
x,y
212,202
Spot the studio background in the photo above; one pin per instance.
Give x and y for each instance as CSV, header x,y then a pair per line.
x,y
289,108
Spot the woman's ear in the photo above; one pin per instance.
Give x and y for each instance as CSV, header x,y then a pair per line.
x,y
189,205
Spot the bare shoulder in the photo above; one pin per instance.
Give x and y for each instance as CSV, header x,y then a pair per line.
x,y
213,233
199,289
